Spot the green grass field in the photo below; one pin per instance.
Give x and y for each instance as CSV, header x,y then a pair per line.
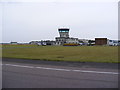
x,y
107,54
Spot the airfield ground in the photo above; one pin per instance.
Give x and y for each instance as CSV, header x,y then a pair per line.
x,y
103,54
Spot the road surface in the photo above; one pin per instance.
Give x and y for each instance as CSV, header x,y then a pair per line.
x,y
19,73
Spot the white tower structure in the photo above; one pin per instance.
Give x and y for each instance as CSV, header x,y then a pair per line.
x,y
64,32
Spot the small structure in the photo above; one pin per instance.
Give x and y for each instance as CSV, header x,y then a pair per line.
x,y
15,43
48,42
35,42
101,41
44,43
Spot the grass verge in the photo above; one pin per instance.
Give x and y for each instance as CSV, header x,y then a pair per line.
x,y
103,54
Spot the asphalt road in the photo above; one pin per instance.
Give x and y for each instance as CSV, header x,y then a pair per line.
x,y
18,73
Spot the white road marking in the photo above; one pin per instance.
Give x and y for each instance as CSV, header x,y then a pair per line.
x,y
96,72
18,65
59,69
53,69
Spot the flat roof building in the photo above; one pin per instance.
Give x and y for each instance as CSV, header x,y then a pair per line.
x,y
101,41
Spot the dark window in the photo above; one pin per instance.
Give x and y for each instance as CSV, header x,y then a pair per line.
x,y
110,40
115,41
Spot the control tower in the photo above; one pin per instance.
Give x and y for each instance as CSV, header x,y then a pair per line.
x,y
64,32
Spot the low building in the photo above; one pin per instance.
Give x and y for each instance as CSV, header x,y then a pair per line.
x,y
101,41
60,40
45,42
34,42
15,43
72,40
49,42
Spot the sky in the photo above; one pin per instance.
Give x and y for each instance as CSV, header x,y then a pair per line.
x,y
30,20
